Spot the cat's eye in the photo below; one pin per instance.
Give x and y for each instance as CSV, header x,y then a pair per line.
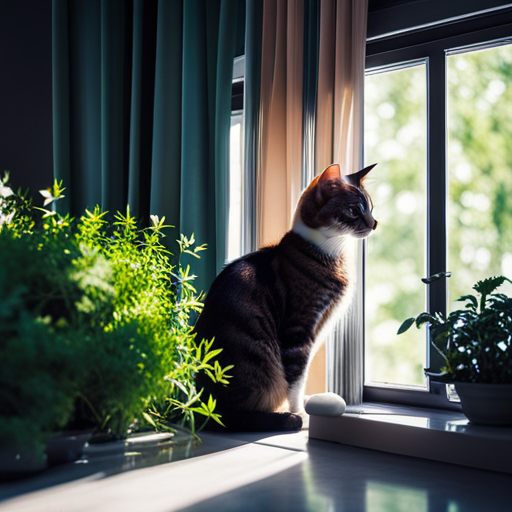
x,y
355,211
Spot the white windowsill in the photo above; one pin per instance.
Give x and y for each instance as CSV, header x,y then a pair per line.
x,y
434,434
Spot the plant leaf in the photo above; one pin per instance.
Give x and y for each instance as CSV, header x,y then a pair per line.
x,y
149,419
406,325
471,298
425,317
487,286
211,354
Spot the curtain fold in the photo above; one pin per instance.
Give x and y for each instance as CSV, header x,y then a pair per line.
x,y
344,349
142,94
166,141
281,117
310,89
310,115
224,73
252,121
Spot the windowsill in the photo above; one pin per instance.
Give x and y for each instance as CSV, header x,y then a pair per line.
x,y
444,436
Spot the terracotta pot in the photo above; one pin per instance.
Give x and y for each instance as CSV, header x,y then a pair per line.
x,y
486,404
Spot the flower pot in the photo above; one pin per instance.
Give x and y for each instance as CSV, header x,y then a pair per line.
x,y
20,462
486,404
66,446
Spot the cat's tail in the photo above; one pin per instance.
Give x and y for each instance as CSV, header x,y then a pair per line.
x,y
254,421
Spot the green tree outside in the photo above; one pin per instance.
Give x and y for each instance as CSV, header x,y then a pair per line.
x,y
479,99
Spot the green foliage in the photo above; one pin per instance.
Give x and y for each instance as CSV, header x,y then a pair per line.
x,y
182,401
95,324
395,136
33,403
15,208
475,342
479,159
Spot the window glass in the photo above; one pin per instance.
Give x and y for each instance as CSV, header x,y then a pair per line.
x,y
395,138
479,167
235,216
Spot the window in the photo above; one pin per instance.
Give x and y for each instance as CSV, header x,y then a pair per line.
x,y
235,215
396,137
438,104
235,223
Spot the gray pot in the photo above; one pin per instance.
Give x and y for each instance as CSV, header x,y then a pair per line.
x,y
20,462
66,446
486,404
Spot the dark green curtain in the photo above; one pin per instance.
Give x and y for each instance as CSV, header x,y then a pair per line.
x,y
141,107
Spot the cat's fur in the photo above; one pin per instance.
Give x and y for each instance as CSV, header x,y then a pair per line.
x,y
266,309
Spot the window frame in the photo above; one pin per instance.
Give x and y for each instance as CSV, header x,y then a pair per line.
x,y
248,222
433,45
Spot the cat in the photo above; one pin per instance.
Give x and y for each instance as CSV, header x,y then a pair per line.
x,y
268,311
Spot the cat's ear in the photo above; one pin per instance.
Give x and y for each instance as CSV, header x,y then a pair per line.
x,y
331,173
326,185
358,177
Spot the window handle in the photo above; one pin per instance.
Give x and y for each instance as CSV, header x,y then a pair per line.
x,y
435,277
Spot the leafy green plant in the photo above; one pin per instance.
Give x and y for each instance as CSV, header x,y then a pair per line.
x,y
475,342
38,370
96,323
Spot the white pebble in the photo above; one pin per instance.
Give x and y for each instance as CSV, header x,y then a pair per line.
x,y
326,404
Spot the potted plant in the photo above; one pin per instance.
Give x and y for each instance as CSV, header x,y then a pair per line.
x,y
95,327
476,345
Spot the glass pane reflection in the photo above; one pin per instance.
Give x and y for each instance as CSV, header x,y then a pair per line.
x,y
395,137
383,497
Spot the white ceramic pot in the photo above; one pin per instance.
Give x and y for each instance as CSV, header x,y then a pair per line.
x,y
486,404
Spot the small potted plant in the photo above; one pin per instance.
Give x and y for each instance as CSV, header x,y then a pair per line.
x,y
476,345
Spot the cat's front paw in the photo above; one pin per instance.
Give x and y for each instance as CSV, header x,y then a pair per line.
x,y
305,419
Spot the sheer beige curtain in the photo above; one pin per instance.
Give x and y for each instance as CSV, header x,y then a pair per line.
x,y
335,134
339,139
281,117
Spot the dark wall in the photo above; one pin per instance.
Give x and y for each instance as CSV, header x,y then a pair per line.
x,y
26,93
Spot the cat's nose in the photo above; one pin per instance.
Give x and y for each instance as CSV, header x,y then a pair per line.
x,y
375,225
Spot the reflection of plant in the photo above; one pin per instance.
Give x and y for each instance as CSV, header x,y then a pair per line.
x,y
94,323
475,342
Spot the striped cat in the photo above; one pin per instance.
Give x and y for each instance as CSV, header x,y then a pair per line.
x,y
270,310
